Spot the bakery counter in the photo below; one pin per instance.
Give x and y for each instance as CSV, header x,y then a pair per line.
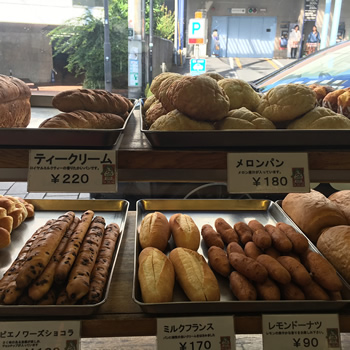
x,y
139,161
121,316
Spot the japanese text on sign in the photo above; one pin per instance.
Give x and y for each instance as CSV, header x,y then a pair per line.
x,y
72,171
301,331
267,172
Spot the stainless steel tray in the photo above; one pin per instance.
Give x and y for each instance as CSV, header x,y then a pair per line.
x,y
246,138
112,210
205,212
63,138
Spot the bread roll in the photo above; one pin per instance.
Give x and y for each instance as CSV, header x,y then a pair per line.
x,y
15,109
344,104
334,244
185,232
156,276
342,200
80,119
194,275
92,100
154,231
312,212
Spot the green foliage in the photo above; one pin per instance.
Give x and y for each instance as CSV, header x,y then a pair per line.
x,y
82,39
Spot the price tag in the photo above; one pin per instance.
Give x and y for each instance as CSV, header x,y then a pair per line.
x,y
196,333
267,172
305,331
72,171
48,335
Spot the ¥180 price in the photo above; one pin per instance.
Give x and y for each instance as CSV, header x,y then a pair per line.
x,y
70,178
274,181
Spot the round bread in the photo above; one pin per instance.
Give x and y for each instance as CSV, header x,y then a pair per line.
x,y
154,231
155,85
320,118
344,104
240,93
155,111
342,200
331,100
156,276
334,244
214,75
312,212
199,97
148,103
194,275
321,91
243,118
287,102
176,121
163,97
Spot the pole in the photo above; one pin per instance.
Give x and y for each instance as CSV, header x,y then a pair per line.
x,y
335,22
150,57
325,25
107,50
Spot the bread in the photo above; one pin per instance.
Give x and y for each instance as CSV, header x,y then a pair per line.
x,y
344,104
331,100
243,118
148,103
334,244
320,118
162,93
286,102
156,82
240,93
321,92
84,120
91,100
176,121
15,109
184,230
154,231
199,97
312,212
155,111
156,276
194,275
342,200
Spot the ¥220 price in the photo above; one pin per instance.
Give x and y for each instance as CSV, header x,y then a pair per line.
x,y
270,181
70,178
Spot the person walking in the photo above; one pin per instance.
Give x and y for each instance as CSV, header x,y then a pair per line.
x,y
294,41
215,43
313,41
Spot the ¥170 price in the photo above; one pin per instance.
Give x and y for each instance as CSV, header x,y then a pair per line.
x,y
195,345
270,181
70,178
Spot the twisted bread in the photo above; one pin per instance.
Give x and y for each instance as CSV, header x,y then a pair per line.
x,y
84,120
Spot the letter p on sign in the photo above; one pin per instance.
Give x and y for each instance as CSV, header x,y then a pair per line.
x,y
197,31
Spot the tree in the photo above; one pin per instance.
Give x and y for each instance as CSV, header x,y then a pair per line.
x,y
82,39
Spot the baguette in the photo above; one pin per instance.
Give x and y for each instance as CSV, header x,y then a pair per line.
x,y
79,277
43,283
71,251
42,250
102,265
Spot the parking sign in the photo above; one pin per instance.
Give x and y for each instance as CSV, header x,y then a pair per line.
x,y
197,31
197,66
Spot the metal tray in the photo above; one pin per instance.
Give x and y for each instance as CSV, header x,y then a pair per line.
x,y
63,138
205,212
112,210
247,138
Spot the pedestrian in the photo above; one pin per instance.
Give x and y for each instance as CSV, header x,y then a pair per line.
x,y
215,43
313,40
294,41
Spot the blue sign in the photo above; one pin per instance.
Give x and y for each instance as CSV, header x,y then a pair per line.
x,y
197,66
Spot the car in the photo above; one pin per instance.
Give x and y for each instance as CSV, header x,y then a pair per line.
x,y
330,66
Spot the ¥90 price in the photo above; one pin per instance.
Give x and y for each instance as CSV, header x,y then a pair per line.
x,y
274,181
305,342
70,178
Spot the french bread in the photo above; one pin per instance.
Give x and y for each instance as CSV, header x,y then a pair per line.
x,y
342,200
81,119
194,275
156,276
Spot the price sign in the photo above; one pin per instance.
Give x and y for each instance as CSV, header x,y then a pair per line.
x,y
196,333
267,172
72,171
48,335
306,331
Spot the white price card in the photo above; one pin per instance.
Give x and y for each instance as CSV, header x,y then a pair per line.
x,y
267,172
72,171
196,333
301,331
43,335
